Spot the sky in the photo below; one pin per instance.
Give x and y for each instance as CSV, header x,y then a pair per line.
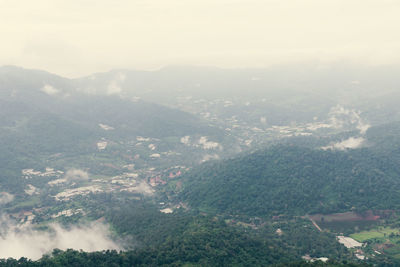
x,y
78,37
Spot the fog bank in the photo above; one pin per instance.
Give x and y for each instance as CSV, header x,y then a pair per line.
x,y
18,241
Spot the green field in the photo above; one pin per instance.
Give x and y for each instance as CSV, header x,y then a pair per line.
x,y
374,233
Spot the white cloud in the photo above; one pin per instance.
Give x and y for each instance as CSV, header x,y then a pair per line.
x,y
203,141
31,190
363,127
50,90
114,87
141,188
6,198
210,157
185,140
106,127
343,118
25,241
347,119
350,143
76,174
263,120
144,188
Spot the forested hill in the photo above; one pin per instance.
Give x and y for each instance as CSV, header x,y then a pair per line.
x,y
296,181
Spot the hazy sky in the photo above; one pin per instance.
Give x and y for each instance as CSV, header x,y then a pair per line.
x,y
77,37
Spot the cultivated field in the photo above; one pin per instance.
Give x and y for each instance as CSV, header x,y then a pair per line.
x,y
380,233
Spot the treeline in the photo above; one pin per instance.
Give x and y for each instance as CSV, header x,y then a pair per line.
x,y
113,258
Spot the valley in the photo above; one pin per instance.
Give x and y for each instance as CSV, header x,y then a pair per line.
x,y
186,178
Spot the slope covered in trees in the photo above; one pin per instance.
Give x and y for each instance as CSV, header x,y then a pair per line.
x,y
295,181
113,258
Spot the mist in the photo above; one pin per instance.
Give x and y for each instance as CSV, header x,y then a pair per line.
x,y
76,175
5,198
200,132
26,241
350,143
151,34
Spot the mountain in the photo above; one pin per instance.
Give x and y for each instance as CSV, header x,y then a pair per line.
x,y
59,96
198,166
286,179
29,95
285,93
45,121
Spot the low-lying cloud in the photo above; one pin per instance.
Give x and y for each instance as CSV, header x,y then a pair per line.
x,y
144,188
350,143
18,241
114,87
210,157
141,188
76,174
5,198
343,118
347,119
185,140
50,90
205,144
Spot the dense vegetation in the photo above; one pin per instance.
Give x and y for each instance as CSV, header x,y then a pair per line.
x,y
197,238
295,181
186,239
246,211
113,258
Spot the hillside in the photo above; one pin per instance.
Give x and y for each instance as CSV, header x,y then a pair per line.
x,y
180,179
295,181
46,122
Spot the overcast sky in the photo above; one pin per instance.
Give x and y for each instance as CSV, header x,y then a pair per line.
x,y
78,37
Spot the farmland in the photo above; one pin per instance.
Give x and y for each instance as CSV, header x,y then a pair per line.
x,y
381,242
379,233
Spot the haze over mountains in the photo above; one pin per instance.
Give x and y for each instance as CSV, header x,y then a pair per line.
x,y
201,165
200,133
